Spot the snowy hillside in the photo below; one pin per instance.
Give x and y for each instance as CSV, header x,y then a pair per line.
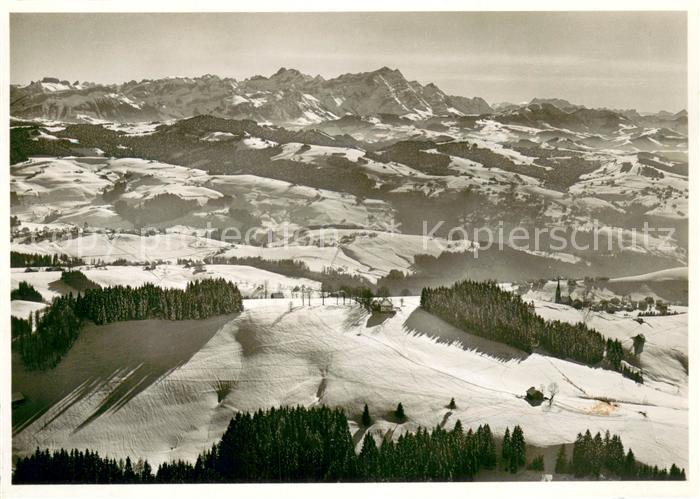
x,y
166,390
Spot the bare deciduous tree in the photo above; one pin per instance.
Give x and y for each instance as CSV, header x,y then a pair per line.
x,y
552,389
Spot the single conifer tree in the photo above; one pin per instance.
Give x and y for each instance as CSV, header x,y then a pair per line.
x,y
517,449
399,413
505,449
366,419
630,466
562,464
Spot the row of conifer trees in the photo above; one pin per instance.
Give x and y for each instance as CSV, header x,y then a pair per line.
x,y
485,309
605,455
18,259
199,300
298,444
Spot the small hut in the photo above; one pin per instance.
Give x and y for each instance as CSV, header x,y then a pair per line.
x,y
384,305
534,396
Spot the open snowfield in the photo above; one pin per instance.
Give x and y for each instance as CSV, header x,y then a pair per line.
x,y
166,390
23,309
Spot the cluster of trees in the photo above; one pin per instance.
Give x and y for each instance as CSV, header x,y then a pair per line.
x,y
438,455
537,463
299,444
27,292
20,327
565,172
486,310
513,450
287,266
78,281
614,353
483,308
651,172
18,259
199,300
114,192
616,356
490,159
412,153
631,373
650,159
26,141
58,326
598,455
280,445
78,467
161,207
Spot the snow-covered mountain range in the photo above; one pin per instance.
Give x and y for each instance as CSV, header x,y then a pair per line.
x,y
287,97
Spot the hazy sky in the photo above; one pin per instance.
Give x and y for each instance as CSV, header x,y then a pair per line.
x,y
619,60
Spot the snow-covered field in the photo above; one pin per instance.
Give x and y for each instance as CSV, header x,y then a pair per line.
x,y
370,253
23,309
341,356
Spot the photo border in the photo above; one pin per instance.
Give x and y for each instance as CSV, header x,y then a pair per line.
x,y
405,490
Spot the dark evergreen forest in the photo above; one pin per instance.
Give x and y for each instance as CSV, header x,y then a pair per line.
x,y
298,444
26,291
18,259
484,309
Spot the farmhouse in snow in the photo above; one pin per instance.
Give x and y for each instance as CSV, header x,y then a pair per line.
x,y
384,305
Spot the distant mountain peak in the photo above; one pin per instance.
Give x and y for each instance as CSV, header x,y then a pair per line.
x,y
284,71
562,104
387,71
